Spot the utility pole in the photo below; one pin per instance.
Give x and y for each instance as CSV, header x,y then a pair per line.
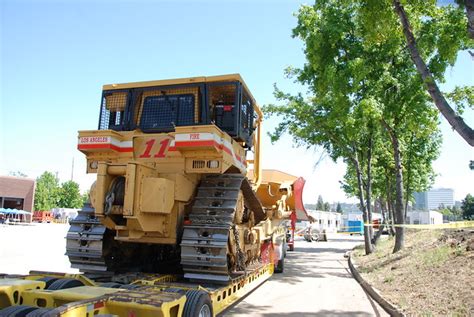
x,y
72,169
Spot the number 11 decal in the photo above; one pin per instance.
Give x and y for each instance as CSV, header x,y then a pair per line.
x,y
161,152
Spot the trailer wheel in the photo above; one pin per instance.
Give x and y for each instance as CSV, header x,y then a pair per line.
x,y
48,280
198,304
315,236
111,285
130,286
65,283
280,267
17,311
40,312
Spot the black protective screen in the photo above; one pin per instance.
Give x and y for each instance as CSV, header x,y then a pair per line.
x,y
163,113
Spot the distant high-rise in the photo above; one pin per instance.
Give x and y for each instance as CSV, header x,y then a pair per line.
x,y
434,199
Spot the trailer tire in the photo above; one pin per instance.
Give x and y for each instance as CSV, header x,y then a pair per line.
x,y
17,311
65,283
174,290
130,286
111,285
48,280
280,267
40,312
198,303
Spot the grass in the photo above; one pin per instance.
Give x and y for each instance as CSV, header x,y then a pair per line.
x,y
436,257
431,276
388,279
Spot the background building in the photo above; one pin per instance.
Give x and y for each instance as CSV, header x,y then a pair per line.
x,y
17,193
324,220
424,218
434,199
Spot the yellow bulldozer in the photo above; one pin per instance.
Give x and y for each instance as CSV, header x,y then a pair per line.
x,y
179,184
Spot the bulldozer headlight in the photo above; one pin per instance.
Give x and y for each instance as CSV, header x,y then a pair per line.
x,y
213,164
93,165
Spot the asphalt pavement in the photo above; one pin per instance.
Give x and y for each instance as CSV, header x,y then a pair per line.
x,y
316,282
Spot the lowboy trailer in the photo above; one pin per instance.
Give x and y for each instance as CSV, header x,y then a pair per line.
x,y
55,294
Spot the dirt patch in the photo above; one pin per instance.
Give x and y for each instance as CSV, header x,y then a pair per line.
x,y
432,276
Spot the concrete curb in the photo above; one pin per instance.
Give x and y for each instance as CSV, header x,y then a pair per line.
x,y
386,305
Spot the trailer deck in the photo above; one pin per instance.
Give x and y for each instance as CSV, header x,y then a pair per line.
x,y
58,294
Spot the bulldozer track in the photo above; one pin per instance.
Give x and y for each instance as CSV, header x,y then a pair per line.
x,y
204,245
85,242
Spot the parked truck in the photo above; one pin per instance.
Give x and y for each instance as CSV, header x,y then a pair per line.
x,y
43,216
355,227
182,221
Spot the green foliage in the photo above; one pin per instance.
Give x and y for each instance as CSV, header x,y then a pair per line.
x,y
339,208
467,207
452,213
364,96
462,97
70,196
320,203
326,207
359,72
47,192
85,197
445,212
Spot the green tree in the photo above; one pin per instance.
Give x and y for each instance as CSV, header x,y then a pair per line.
x,y
85,197
47,192
320,203
456,211
467,207
326,207
70,195
339,208
365,101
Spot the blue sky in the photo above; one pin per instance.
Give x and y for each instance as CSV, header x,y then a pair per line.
x,y
56,55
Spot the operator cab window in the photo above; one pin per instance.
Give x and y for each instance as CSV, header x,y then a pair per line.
x,y
163,113
222,102
232,110
112,115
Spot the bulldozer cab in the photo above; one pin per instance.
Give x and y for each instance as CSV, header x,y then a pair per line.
x,y
161,106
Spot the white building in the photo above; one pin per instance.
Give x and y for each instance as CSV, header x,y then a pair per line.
x,y
434,199
357,216
325,220
430,217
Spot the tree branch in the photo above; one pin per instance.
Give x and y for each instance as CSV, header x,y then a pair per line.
x,y
458,124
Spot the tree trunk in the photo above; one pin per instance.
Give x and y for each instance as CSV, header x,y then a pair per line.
x,y
399,214
369,186
408,180
390,205
392,218
382,223
367,237
454,120
470,17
